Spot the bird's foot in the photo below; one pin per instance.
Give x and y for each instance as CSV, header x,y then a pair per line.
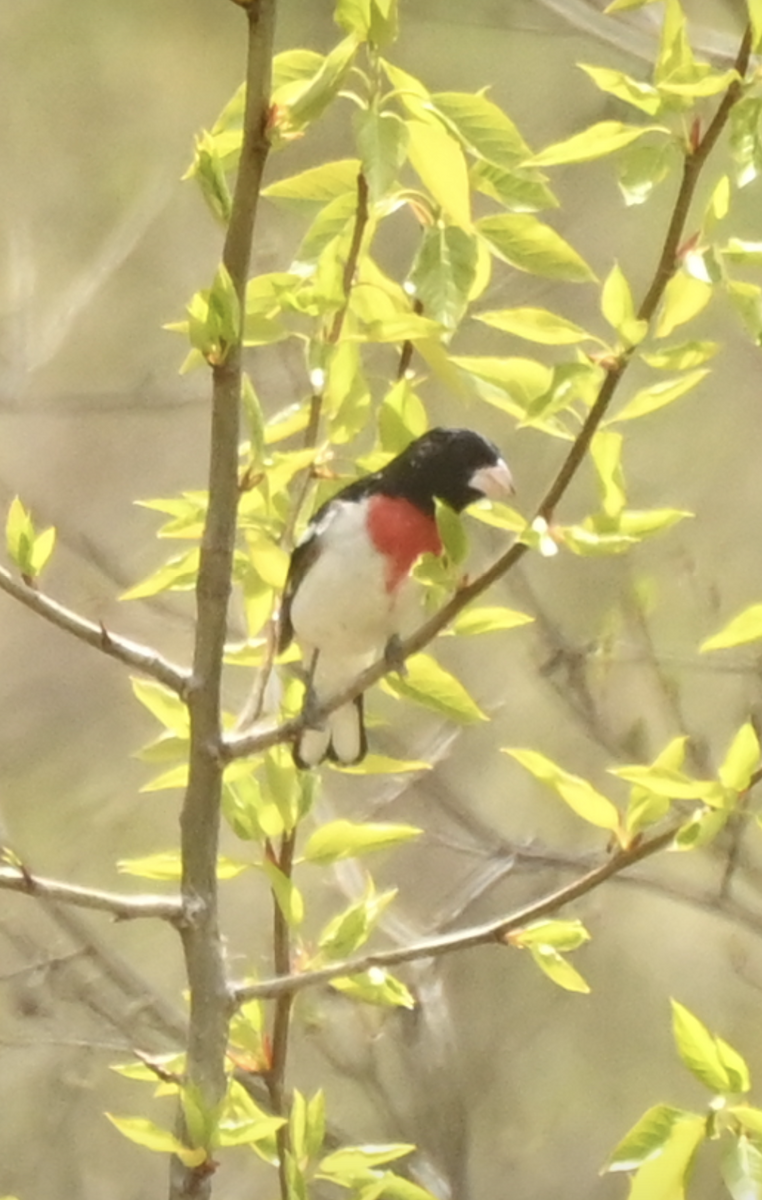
x,y
393,656
311,710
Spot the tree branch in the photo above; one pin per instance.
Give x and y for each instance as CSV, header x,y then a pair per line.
x,y
124,908
239,746
200,818
140,658
494,931
275,1078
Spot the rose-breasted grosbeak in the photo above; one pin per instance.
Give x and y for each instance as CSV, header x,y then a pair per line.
x,y
348,591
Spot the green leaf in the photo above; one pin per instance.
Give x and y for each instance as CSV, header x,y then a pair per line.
x,y
163,704
382,139
606,137
287,895
701,828
430,685
642,166
483,127
283,784
746,627
646,808
684,298
145,1133
176,777
452,534
29,550
633,91
666,781
167,866
512,383
443,273
741,760
492,619
750,1118
715,1065
439,162
375,21
312,189
526,243
536,325
177,574
667,1175
304,102
744,252
519,191
401,418
741,1168
249,1132
561,935
376,986
345,839
746,299
345,1164
408,327
675,60
755,16
659,395
618,309
224,319
558,969
381,764
349,930
580,795
606,452
639,524
681,357
648,1137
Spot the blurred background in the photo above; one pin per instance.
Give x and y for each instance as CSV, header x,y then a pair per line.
x,y
509,1085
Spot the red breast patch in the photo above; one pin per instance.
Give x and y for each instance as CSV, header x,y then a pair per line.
x,y
402,533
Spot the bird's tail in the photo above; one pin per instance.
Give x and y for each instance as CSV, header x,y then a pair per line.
x,y
341,738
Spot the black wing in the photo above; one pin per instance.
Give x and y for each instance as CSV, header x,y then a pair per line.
x,y
302,557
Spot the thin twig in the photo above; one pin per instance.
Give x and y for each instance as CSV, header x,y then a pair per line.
x,y
490,932
124,908
140,658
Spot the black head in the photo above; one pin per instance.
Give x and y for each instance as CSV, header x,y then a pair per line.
x,y
456,466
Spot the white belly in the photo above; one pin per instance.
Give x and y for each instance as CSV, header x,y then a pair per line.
x,y
343,607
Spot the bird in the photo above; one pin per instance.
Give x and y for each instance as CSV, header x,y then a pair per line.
x,y
349,596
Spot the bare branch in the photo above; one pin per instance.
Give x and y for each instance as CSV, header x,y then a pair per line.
x,y
124,908
140,658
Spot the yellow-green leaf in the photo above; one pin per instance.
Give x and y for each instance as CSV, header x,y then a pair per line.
x,y
578,793
529,245
492,619
606,137
145,1133
658,395
438,159
345,839
431,685
746,627
536,325
557,968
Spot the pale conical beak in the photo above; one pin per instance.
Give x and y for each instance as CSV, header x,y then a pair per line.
x,y
493,482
